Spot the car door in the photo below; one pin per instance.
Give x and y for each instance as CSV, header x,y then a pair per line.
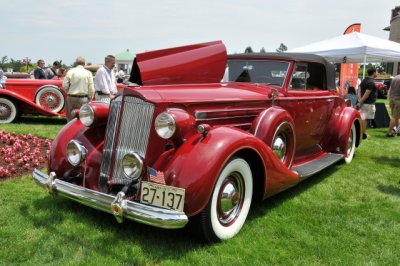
x,y
310,104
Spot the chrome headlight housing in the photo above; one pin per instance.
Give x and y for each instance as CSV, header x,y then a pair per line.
x,y
86,115
76,152
132,165
165,125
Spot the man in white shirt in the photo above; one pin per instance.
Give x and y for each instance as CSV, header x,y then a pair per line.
x,y
104,81
78,83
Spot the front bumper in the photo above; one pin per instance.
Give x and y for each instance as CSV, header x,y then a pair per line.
x,y
117,205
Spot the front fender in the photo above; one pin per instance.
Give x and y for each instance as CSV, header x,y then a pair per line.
x,y
338,130
92,138
196,165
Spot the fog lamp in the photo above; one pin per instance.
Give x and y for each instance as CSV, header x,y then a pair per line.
x,y
132,165
76,152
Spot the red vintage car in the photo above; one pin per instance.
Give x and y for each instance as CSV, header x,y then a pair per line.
x,y
201,136
30,96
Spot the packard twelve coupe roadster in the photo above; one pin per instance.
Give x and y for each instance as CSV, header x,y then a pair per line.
x,y
200,136
30,96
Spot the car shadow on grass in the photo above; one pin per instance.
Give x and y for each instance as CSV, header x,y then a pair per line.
x,y
33,120
387,160
262,208
390,189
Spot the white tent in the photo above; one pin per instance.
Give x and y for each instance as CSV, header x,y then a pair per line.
x,y
354,48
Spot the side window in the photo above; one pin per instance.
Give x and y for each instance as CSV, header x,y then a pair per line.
x,y
299,77
308,76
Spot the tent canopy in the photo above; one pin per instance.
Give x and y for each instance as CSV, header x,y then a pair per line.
x,y
354,47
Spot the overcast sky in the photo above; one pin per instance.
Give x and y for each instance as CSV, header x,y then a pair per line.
x,y
55,30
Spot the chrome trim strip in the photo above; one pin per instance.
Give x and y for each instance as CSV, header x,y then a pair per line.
x,y
200,115
117,205
226,117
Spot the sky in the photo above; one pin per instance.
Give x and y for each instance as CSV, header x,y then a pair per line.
x,y
63,30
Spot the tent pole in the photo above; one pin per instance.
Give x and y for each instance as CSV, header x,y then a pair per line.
x,y
365,62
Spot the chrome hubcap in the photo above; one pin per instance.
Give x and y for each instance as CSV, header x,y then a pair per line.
x,y
279,147
230,199
5,111
49,101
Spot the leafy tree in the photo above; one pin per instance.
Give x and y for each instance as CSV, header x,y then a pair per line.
x,y
3,61
248,50
282,48
263,50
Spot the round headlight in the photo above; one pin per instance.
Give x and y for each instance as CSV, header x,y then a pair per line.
x,y
132,165
86,115
76,153
165,125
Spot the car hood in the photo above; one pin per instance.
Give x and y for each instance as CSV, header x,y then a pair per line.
x,y
196,93
197,63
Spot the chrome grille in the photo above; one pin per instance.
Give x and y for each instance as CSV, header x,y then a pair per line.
x,y
133,136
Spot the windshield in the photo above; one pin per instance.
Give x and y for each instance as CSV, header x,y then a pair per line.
x,y
267,72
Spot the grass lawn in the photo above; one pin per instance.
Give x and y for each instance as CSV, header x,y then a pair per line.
x,y
348,214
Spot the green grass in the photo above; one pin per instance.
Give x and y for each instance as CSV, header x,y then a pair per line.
x,y
346,215
41,126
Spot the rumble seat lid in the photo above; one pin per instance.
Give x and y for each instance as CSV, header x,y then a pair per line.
x,y
197,63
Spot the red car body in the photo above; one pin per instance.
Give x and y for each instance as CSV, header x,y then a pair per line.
x,y
30,96
274,120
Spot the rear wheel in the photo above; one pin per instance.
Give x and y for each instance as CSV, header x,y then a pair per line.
x,y
230,202
351,145
8,111
50,98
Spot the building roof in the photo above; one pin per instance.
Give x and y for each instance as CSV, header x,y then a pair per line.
x,y
126,55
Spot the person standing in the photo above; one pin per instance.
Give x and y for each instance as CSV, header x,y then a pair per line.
x,y
40,72
368,94
52,71
352,96
394,103
104,81
78,83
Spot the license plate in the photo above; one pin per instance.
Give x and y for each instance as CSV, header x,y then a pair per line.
x,y
162,196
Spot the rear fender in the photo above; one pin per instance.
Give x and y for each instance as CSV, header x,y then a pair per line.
x,y
338,130
196,165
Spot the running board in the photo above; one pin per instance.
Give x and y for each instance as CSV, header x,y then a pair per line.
x,y
313,167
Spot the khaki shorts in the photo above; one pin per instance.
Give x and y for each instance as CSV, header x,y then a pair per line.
x,y
395,108
367,111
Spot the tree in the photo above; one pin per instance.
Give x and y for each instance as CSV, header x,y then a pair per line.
x,y
262,51
248,50
3,61
282,48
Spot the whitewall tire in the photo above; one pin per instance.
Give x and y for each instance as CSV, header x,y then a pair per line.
x,y
50,98
229,205
351,145
8,111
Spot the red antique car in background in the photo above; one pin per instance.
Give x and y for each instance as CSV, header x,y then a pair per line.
x,y
33,96
30,96
181,144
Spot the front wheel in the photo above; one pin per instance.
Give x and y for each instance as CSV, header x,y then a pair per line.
x,y
230,202
351,144
8,111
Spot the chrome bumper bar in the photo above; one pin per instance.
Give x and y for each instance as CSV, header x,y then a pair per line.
x,y
116,205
